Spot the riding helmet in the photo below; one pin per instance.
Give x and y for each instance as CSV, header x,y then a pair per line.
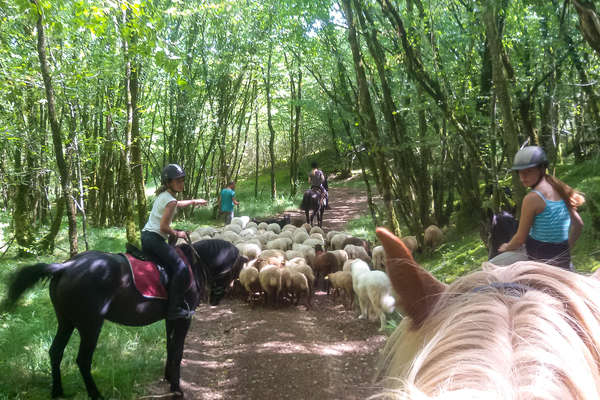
x,y
529,156
170,172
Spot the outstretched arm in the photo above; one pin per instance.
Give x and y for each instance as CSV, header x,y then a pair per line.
x,y
192,202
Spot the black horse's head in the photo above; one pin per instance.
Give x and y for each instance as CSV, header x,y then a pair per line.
x,y
219,264
503,227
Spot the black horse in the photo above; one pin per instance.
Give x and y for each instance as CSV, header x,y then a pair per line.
x,y
503,227
313,200
94,286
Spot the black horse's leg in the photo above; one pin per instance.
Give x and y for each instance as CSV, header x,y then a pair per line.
x,y
170,328
307,212
89,339
57,349
175,351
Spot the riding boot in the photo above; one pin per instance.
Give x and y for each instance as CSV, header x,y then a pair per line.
x,y
177,307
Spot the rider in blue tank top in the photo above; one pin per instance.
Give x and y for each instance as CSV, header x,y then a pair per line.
x,y
549,223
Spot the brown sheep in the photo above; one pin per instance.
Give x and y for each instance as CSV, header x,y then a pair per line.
x,y
357,242
411,243
433,237
342,280
324,263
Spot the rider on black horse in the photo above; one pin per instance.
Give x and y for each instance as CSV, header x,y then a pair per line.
x,y
156,232
317,181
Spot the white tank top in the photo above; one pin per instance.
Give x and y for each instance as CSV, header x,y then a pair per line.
x,y
158,209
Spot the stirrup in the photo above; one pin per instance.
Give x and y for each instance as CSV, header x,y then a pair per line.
x,y
180,313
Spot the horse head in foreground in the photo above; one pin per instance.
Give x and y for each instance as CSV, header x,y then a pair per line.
x,y
525,331
95,286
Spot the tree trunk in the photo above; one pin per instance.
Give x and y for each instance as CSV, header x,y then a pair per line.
x,y
510,133
368,123
65,176
270,125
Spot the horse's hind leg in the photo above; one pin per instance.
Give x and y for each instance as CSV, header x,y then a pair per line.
x,y
89,339
57,349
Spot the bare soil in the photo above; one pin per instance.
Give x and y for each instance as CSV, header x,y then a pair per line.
x,y
241,351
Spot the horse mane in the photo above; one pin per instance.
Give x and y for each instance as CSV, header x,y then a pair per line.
x,y
519,332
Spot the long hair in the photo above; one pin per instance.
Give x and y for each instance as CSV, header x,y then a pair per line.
x,y
572,197
524,331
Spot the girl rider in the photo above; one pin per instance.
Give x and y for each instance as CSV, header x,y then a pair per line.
x,y
549,223
156,232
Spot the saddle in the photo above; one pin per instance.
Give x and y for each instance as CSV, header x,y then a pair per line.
x,y
150,278
320,191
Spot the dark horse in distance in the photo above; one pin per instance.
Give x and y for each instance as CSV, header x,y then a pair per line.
x,y
314,200
94,286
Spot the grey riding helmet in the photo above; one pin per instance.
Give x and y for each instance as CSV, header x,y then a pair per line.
x,y
529,156
170,172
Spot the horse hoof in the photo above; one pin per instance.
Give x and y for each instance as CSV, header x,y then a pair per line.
x,y
176,394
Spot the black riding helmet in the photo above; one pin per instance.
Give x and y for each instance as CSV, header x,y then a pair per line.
x,y
170,172
529,156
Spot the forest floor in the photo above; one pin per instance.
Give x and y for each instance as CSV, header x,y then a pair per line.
x,y
242,351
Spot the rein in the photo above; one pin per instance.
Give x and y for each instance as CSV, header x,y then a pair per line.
x,y
196,260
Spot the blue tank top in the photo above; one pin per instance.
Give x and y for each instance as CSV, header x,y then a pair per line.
x,y
552,224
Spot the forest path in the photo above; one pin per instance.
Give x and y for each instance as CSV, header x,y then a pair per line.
x,y
242,351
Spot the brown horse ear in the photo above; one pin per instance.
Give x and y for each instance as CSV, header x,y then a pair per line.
x,y
417,289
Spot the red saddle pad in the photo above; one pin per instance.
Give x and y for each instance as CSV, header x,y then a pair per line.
x,y
147,278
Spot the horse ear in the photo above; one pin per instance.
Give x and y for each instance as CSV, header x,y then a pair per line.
x,y
417,289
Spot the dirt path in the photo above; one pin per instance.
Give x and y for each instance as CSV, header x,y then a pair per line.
x,y
240,351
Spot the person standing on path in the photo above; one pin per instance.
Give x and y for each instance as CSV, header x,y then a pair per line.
x,y
228,201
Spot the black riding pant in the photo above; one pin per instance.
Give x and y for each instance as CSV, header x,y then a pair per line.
x,y
157,247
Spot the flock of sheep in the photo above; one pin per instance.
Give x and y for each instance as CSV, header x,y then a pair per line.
x,y
287,264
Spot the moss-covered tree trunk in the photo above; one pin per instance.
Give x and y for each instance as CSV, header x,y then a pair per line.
x,y
65,175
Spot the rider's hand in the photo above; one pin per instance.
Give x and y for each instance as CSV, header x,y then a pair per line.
x,y
503,247
181,234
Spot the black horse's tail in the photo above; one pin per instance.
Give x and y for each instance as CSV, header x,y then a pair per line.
x,y
25,278
306,201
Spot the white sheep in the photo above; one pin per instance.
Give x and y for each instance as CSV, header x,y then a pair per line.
x,y
347,265
316,229
341,282
289,227
263,226
266,236
232,228
286,234
312,242
273,227
241,221
338,240
330,235
270,257
249,250
229,236
289,254
251,224
307,252
375,293
270,281
318,236
307,227
300,235
280,244
206,231
306,271
379,258
357,252
248,232
250,282
295,284
295,261
341,256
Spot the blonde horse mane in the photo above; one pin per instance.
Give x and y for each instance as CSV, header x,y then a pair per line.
x,y
525,331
